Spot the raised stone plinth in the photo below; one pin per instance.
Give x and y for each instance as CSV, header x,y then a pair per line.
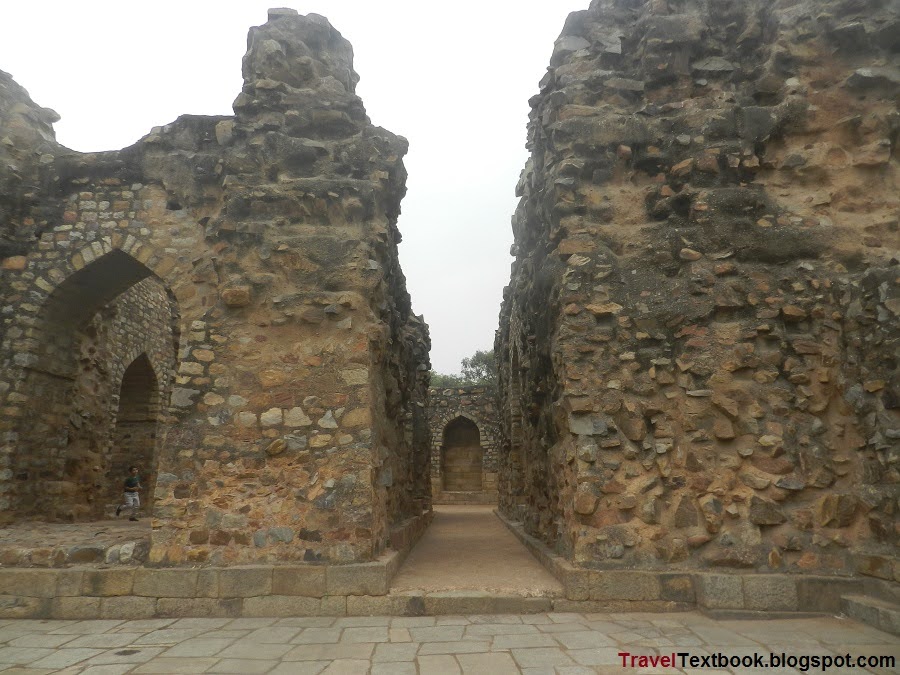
x,y
719,593
110,542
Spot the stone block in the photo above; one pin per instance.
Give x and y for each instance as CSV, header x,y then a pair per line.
x,y
28,582
245,582
872,566
577,583
15,263
208,583
395,559
198,607
579,606
107,582
770,592
333,605
75,608
409,603
823,594
303,580
174,583
360,579
889,620
458,602
625,585
514,604
68,582
370,605
355,376
886,590
281,606
237,296
719,591
860,608
677,587
86,554
24,607
128,607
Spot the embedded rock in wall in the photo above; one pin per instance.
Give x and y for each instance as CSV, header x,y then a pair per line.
x,y
285,407
699,342
464,428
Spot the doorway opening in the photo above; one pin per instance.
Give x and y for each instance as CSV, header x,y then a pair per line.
x,y
134,437
463,456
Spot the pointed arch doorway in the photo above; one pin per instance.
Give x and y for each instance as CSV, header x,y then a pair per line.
x,y
134,437
462,456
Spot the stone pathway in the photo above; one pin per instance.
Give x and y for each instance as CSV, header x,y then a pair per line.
x,y
535,644
469,548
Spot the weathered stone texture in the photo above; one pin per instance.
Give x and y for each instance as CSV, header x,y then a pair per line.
x,y
248,266
699,342
472,465
27,141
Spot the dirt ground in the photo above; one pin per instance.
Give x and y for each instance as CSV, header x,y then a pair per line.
x,y
468,548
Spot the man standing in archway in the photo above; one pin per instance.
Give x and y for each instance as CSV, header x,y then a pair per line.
x,y
132,493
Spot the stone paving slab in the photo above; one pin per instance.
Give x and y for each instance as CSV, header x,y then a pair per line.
x,y
562,643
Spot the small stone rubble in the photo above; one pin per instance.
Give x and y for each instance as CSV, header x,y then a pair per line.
x,y
699,341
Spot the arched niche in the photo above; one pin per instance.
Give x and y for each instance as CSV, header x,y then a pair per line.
x,y
135,433
462,456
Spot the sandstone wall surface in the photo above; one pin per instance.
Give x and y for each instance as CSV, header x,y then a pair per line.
x,y
293,387
699,342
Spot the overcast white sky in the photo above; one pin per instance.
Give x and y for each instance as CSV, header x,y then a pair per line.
x,y
452,77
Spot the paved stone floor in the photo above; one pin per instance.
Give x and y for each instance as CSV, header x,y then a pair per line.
x,y
564,644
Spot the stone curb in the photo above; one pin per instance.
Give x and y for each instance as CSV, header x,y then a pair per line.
x,y
739,594
364,590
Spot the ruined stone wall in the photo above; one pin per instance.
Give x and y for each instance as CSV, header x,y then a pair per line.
x,y
294,424
699,342
478,405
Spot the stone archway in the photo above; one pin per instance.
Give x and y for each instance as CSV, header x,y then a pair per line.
x,y
135,434
462,456
90,329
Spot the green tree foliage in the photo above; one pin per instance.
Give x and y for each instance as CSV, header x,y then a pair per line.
x,y
442,380
478,369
